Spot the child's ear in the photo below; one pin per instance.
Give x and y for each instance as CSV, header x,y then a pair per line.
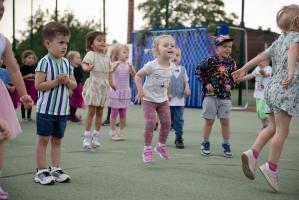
x,y
46,43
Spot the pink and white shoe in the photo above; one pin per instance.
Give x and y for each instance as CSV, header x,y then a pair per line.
x,y
162,150
248,164
147,154
3,194
270,176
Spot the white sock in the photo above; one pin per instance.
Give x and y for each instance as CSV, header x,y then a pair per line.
x,y
95,132
86,132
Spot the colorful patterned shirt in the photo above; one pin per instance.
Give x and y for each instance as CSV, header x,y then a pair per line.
x,y
218,74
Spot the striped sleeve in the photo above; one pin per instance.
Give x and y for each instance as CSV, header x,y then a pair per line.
x,y
42,65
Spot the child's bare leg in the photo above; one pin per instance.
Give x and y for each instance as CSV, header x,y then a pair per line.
x,y
265,134
98,120
55,151
282,120
207,128
40,152
90,114
225,128
265,122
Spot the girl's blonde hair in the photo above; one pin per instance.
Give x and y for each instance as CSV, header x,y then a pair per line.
x,y
287,18
71,54
27,53
116,51
157,41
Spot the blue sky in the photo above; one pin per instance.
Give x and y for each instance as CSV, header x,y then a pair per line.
x,y
257,13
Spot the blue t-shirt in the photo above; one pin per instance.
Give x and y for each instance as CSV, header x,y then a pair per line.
x,y
4,76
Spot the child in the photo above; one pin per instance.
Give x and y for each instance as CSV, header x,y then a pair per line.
x,y
96,87
29,59
76,99
9,124
120,92
154,95
262,75
281,95
53,79
217,82
179,89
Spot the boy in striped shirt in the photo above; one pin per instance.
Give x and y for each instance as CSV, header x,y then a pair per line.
x,y
53,78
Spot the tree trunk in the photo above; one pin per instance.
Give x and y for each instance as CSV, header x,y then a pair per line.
x,y
130,19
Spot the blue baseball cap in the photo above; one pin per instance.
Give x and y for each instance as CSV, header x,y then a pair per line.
x,y
222,38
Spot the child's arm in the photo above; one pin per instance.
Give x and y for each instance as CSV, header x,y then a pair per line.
x,y
71,82
138,81
13,70
42,85
247,77
237,75
132,70
87,66
4,129
111,81
114,65
187,90
292,59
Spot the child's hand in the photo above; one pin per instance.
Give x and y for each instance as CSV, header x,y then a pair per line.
x,y
10,88
71,92
237,75
113,87
187,91
139,97
287,80
227,88
114,65
210,88
63,78
88,67
4,129
169,97
262,72
27,101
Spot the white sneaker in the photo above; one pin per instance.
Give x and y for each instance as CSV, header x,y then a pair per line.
x,y
270,176
87,141
59,176
44,177
95,141
114,135
248,164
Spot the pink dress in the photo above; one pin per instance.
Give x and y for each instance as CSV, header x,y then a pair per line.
x,y
121,97
8,113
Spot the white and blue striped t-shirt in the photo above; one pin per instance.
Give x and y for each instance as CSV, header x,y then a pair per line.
x,y
56,100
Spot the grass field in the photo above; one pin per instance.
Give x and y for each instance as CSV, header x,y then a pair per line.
x,y
116,171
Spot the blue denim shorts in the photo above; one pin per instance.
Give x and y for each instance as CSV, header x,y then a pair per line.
x,y
50,125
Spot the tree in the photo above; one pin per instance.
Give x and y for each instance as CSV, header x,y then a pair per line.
x,y
77,28
176,13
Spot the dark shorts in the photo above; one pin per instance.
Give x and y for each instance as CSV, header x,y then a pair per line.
x,y
50,125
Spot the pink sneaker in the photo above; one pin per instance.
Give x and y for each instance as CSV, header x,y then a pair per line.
x,y
3,194
270,176
162,150
248,164
147,154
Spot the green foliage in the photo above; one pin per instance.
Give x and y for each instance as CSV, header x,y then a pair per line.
x,y
34,41
184,13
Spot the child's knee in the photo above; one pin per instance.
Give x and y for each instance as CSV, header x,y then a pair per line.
x,y
43,141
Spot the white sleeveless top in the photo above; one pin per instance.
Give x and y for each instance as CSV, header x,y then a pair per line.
x,y
2,44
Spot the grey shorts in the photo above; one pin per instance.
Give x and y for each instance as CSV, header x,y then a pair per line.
x,y
213,106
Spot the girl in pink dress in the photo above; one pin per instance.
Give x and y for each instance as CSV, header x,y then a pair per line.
x,y
120,91
9,124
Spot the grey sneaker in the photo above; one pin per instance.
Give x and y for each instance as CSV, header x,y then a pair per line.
x,y
248,164
59,175
205,148
95,140
44,177
270,176
87,141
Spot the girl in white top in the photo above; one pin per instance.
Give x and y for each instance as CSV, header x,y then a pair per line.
x,y
154,94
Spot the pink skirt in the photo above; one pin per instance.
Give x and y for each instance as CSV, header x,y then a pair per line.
x,y
8,113
121,98
30,87
76,100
